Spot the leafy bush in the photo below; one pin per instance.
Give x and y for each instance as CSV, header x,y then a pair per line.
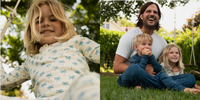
x,y
109,42
184,41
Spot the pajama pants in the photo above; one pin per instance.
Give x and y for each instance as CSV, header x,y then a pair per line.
x,y
90,90
134,75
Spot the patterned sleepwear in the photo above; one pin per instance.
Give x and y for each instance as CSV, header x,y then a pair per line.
x,y
169,70
59,71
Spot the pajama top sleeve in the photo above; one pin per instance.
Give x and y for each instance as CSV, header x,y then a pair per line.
x,y
144,60
14,78
141,61
167,70
89,48
157,67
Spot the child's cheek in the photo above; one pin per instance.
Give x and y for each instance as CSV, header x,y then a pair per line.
x,y
37,27
142,49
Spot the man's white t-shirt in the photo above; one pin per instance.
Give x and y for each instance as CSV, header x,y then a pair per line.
x,y
126,46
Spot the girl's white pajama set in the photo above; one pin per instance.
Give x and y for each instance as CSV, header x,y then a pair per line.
x,y
59,71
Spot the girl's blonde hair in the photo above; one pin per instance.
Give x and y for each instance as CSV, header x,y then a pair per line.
x,y
164,57
142,37
32,36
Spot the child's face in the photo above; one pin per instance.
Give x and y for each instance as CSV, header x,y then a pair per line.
x,y
173,55
143,45
50,26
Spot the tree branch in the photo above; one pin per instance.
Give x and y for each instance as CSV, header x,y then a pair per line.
x,y
13,3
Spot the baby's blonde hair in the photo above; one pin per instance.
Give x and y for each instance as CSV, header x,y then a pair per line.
x,y
142,37
32,36
164,57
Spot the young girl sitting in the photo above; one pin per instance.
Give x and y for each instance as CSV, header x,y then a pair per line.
x,y
137,76
56,57
171,61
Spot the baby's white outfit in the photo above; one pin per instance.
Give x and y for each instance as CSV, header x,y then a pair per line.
x,y
59,71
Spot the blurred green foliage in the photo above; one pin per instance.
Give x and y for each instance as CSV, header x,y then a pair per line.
x,y
110,9
109,42
125,23
194,18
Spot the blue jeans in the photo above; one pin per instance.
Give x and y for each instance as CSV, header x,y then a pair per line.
x,y
134,75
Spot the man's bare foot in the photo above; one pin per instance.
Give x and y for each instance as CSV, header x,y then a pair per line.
x,y
194,91
138,88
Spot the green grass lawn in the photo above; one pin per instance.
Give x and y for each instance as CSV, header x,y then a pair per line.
x,y
111,91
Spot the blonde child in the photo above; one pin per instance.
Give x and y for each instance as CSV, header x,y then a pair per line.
x,y
171,61
137,76
56,57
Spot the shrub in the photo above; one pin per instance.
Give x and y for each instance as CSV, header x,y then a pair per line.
x,y
109,42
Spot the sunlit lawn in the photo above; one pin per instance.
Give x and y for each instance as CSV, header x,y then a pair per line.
x,y
111,91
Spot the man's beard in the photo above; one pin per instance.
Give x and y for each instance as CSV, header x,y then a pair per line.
x,y
145,22
146,25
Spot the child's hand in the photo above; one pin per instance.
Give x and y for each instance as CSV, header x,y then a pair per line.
x,y
150,54
175,69
146,51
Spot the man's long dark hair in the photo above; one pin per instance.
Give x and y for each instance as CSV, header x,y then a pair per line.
x,y
142,9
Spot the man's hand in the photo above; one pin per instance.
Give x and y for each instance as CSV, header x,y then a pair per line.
x,y
149,69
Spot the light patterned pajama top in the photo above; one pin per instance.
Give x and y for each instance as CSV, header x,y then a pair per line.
x,y
169,70
55,67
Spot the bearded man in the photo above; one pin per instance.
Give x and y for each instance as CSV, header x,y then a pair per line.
x,y
148,21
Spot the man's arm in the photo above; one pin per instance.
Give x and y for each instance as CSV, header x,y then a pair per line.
x,y
119,64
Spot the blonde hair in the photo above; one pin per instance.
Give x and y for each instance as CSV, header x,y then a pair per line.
x,y
164,57
31,35
142,37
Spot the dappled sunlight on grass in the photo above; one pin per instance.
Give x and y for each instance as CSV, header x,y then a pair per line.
x,y
105,70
